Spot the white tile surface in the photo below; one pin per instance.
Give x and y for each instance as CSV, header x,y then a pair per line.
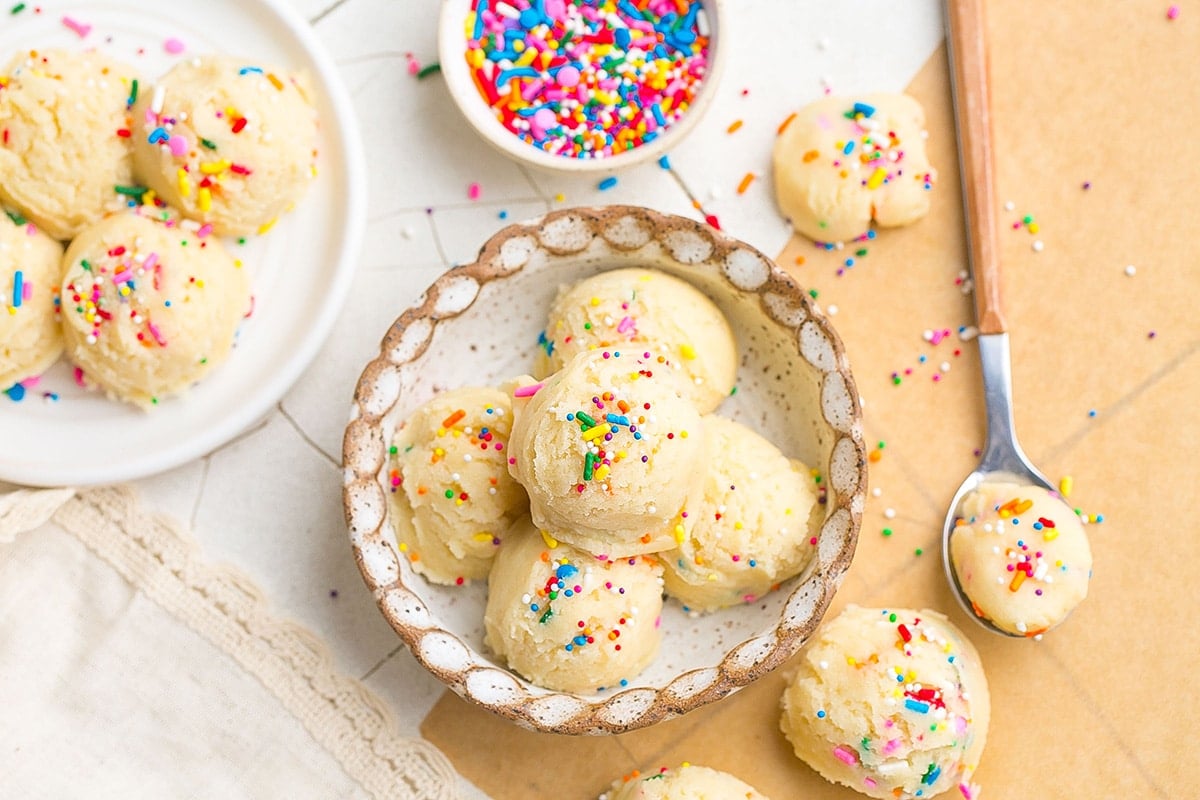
x,y
270,502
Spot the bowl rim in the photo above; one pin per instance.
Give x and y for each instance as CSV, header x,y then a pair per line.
x,y
477,114
366,504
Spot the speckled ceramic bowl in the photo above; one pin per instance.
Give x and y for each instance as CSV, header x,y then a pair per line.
x,y
479,323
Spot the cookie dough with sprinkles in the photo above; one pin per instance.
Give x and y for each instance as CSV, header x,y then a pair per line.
x,y
452,495
608,449
751,526
841,163
890,702
567,620
1021,556
622,307
30,335
685,782
148,308
228,141
65,138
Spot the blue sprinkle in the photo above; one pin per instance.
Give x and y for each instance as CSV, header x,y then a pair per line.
x,y
617,419
932,775
167,303
638,435
607,183
565,571
580,640
569,593
622,37
16,393
849,262
656,110
1099,518
570,417
922,359
664,162
1092,412
848,149
864,109
158,135
1037,526
530,18
753,563
18,288
248,70
916,705
569,648
503,215
624,681
870,234
821,714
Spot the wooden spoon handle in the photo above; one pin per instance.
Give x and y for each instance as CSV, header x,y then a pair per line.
x,y
966,37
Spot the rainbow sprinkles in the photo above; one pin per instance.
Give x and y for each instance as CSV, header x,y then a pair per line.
x,y
587,79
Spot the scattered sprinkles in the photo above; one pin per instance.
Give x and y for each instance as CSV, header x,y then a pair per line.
x,y
587,78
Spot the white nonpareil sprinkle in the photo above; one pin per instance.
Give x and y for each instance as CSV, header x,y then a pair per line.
x,y
1131,270
890,513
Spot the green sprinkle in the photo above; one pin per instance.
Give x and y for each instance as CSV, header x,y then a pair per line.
x,y
153,401
449,493
733,391
428,70
585,419
882,444
393,450
546,615
133,90
241,240
209,143
891,617
204,361
589,466
895,380
18,8
85,265
918,551
131,191
812,293
1027,219
587,326
887,531
409,448
16,218
860,252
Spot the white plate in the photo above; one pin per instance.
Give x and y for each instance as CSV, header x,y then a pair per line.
x,y
300,271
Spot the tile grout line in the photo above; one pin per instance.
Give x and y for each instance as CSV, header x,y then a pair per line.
x,y
499,204
307,439
1082,432
207,460
378,664
1128,752
437,241
321,15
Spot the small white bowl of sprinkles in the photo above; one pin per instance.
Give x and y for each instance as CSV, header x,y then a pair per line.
x,y
581,85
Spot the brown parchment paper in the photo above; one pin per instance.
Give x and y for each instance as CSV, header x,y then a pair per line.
x,y
1105,706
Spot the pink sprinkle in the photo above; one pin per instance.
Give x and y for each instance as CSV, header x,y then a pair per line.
x,y
473,191
528,391
79,27
152,260
891,746
123,276
869,782
968,792
157,334
204,230
26,291
845,756
178,145
1172,12
414,66
174,46
625,324
31,382
79,381
31,229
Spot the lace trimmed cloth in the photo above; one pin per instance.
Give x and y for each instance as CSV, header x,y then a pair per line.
x,y
131,667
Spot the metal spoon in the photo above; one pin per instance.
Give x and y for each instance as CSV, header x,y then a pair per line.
x,y
1003,459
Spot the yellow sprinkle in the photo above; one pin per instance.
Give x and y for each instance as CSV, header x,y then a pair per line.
x,y
185,185
601,472
558,198
12,312
683,434
1049,534
1065,485
595,433
595,301
403,547
215,167
275,81
852,661
680,534
737,526
266,226
483,536
205,199
687,351
1034,227
550,541
876,179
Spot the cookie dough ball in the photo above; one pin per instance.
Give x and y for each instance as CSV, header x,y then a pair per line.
x,y
841,163
1021,556
30,336
688,782
227,141
626,307
608,449
569,621
148,309
748,529
452,496
892,703
66,143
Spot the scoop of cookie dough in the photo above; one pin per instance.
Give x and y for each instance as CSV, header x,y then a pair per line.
x,y
749,526
1021,556
626,307
30,336
608,449
567,620
843,162
452,494
148,309
227,141
892,703
63,154
687,782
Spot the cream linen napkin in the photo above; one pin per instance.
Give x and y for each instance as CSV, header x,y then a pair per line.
x,y
131,668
